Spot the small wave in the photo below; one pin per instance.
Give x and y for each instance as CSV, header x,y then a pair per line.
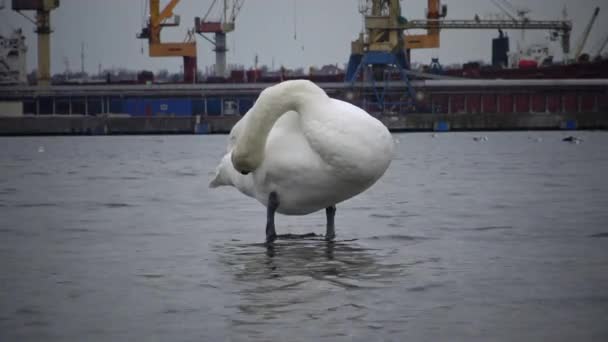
x,y
186,174
116,205
76,230
28,311
8,191
397,237
36,173
381,215
37,323
151,275
35,205
599,235
178,311
423,288
481,229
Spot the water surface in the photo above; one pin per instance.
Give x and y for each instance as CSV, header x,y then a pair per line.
x,y
119,238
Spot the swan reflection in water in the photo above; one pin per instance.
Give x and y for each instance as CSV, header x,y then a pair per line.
x,y
295,280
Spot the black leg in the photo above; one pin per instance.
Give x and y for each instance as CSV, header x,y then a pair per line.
x,y
330,233
273,204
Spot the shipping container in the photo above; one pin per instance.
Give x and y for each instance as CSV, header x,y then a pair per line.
x,y
602,101
553,103
29,107
439,103
172,107
473,103
158,107
489,103
62,105
538,103
587,102
198,106
116,105
505,103
457,103
522,103
253,75
245,104
94,106
238,76
214,106
570,101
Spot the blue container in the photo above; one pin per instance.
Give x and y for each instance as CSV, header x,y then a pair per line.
x,y
116,105
133,106
570,125
171,107
157,107
201,128
442,126
214,106
245,104
198,106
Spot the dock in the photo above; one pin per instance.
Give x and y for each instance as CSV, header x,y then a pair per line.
x,y
442,105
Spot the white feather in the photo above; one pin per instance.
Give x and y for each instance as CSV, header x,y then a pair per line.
x,y
312,150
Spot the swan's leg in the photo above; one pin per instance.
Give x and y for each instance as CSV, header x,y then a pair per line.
x,y
330,233
273,204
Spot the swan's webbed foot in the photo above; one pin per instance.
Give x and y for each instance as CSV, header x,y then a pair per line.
x,y
330,233
273,204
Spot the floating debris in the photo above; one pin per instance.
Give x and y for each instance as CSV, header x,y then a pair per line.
x,y
572,139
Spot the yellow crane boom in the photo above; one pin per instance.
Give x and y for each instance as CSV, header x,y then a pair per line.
x,y
162,18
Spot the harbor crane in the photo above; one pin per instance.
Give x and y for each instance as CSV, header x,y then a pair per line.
x,y
219,27
391,21
384,47
433,25
585,35
43,10
165,18
602,45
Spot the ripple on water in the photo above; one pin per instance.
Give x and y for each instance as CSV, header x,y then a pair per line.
x,y
8,191
486,228
35,205
599,235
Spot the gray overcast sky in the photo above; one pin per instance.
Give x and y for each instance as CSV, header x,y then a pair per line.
x,y
324,29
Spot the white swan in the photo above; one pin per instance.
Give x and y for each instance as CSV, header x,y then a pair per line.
x,y
298,151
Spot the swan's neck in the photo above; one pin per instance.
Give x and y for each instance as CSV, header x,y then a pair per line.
x,y
272,103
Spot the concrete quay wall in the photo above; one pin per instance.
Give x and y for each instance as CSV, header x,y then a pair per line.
x,y
107,125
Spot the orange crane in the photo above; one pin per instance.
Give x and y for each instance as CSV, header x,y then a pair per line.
x,y
431,38
186,49
434,22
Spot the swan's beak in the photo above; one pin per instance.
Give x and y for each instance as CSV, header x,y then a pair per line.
x,y
215,182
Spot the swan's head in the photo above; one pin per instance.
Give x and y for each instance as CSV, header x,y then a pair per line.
x,y
246,160
222,173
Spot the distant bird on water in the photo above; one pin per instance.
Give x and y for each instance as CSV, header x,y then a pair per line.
x,y
572,139
298,151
